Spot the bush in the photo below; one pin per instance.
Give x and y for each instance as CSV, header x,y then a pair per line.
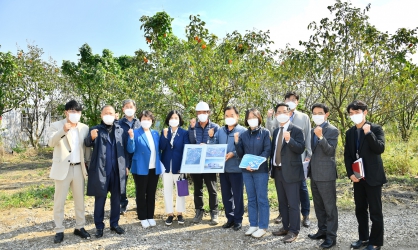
x,y
399,158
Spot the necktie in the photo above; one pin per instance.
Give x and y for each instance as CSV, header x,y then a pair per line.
x,y
279,147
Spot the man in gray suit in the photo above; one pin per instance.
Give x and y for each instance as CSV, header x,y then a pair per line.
x,y
301,120
323,173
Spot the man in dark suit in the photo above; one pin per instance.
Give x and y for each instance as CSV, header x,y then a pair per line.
x,y
107,171
287,170
366,141
323,173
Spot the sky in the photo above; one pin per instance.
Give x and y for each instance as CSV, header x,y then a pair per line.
x,y
61,27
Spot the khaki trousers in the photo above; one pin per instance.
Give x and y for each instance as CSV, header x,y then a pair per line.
x,y
75,180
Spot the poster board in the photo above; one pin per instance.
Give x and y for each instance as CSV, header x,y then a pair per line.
x,y
203,158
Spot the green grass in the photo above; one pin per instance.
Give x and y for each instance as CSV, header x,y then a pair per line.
x,y
31,197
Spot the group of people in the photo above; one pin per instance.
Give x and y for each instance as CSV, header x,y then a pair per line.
x,y
106,153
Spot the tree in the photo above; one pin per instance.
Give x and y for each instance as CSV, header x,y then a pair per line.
x,y
11,89
97,80
42,92
347,58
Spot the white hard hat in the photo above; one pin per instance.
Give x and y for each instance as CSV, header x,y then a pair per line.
x,y
202,106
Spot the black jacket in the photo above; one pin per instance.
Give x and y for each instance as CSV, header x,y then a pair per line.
x,y
96,185
371,146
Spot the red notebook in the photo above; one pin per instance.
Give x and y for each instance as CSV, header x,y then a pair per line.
x,y
358,169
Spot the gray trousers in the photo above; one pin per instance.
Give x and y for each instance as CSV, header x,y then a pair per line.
x,y
325,202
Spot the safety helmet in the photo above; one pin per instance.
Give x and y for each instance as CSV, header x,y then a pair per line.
x,y
202,106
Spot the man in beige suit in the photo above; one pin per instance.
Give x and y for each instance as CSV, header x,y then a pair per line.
x,y
69,164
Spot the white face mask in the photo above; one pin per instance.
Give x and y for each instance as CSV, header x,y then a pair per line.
x,y
74,117
129,112
203,117
230,121
357,118
146,124
173,122
282,118
253,122
108,119
318,119
292,105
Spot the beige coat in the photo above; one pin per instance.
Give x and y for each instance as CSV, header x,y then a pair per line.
x,y
60,141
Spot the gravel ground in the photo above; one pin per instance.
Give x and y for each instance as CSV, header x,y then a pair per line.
x,y
33,229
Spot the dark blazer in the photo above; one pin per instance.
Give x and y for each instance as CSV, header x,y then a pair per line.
x,y
173,154
292,167
371,147
322,166
140,147
96,185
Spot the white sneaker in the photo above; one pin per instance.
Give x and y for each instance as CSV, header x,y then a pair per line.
x,y
259,233
152,222
145,223
251,230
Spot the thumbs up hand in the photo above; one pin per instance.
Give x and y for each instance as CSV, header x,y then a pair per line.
x,y
94,134
131,133
236,137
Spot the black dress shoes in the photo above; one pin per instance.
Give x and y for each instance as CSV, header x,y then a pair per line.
x,y
359,243
237,226
371,247
59,237
82,233
305,221
99,233
328,243
317,236
228,224
117,229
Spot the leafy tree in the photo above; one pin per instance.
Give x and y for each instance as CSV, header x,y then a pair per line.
x,y
42,92
11,74
347,58
97,79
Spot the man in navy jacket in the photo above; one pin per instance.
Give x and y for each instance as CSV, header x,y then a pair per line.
x,y
199,135
232,184
127,122
107,169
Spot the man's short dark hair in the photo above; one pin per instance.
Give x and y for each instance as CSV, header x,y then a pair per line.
x,y
170,114
256,113
73,105
290,93
147,113
320,105
356,105
230,108
279,105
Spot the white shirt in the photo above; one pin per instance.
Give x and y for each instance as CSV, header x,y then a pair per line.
x,y
75,145
152,148
285,127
